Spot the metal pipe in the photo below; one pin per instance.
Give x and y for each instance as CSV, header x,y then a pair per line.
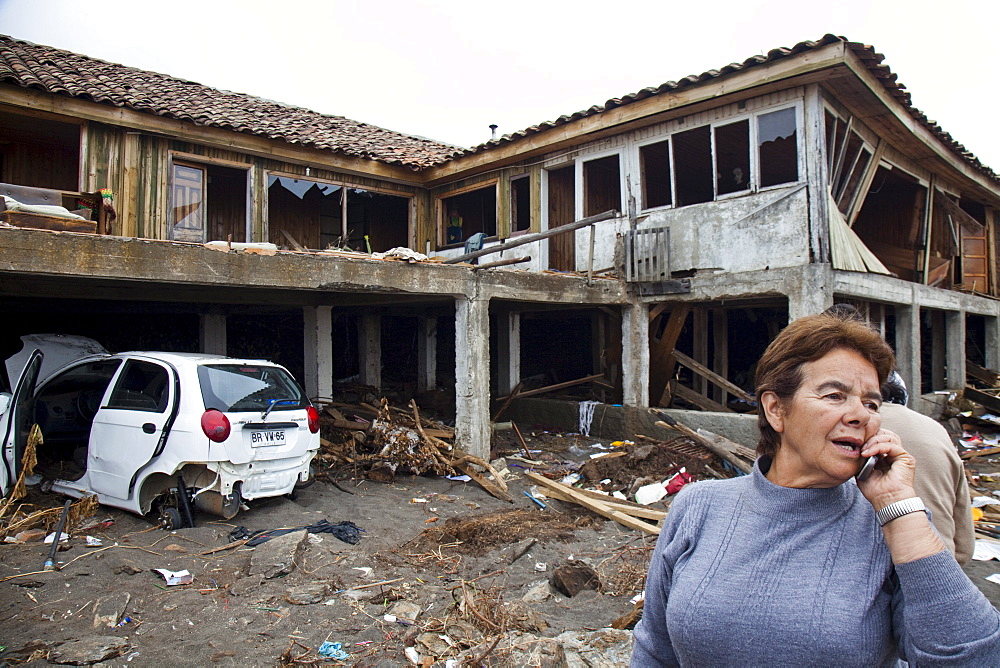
x,y
50,563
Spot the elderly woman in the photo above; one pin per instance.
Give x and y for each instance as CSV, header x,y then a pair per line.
x,y
797,564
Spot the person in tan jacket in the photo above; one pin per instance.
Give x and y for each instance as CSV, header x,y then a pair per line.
x,y
940,479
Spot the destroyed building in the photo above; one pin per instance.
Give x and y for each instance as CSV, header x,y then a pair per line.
x,y
740,198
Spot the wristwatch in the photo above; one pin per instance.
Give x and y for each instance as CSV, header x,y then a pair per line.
x,y
899,508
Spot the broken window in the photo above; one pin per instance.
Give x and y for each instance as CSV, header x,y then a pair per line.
x,y
39,153
602,190
848,156
470,213
520,203
732,157
693,166
317,214
777,148
655,165
208,202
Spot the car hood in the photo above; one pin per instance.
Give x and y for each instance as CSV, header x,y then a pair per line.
x,y
58,349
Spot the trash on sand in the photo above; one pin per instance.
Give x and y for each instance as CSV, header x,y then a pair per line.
x,y
52,536
459,478
678,480
125,620
651,493
349,532
175,577
413,655
332,650
995,578
93,542
980,501
986,549
541,567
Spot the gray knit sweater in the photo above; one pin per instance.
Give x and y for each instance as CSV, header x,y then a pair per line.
x,y
749,573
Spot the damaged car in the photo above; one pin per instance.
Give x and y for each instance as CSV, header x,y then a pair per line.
x,y
162,434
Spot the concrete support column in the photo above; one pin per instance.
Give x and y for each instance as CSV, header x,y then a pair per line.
x,y
212,333
908,349
370,349
509,350
317,332
992,342
427,331
472,376
635,355
812,293
954,350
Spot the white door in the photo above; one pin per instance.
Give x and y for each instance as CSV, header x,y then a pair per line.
x,y
16,421
128,431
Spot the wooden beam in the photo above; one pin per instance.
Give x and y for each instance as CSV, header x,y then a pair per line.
x,y
982,374
985,400
559,386
529,238
707,373
704,403
600,507
560,491
661,359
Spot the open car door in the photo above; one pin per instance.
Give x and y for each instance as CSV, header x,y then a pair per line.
x,y
16,421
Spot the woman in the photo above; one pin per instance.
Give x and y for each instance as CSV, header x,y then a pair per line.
x,y
791,565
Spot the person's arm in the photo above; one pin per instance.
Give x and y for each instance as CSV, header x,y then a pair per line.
x,y
909,537
939,615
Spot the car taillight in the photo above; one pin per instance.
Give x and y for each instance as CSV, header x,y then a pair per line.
x,y
216,426
313,416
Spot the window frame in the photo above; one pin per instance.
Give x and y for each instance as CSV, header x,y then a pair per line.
x,y
195,161
440,232
341,183
523,176
579,194
754,155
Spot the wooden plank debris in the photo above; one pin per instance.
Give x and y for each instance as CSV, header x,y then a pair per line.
x,y
982,374
669,422
711,376
558,386
601,507
988,401
661,358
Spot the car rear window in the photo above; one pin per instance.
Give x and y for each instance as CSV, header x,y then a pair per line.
x,y
249,387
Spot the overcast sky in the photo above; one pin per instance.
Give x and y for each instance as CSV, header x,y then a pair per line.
x,y
448,69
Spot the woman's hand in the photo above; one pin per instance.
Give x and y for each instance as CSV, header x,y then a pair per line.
x,y
892,479
909,537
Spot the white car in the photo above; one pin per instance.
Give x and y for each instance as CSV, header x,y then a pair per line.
x,y
166,433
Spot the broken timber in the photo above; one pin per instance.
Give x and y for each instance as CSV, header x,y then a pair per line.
x,y
624,513
670,423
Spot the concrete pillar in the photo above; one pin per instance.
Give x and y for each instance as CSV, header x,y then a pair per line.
x,y
472,376
427,329
992,342
810,292
212,333
908,349
635,355
317,332
509,350
954,350
370,349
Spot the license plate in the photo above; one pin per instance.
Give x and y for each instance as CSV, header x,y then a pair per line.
x,y
262,438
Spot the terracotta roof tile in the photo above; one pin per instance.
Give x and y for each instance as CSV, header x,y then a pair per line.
x,y
868,55
65,73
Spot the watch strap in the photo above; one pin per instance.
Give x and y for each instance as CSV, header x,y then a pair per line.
x,y
899,508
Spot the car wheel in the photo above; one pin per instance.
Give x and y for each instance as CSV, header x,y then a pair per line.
x,y
170,518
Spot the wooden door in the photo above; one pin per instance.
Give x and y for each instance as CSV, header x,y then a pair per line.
x,y
974,260
188,203
562,211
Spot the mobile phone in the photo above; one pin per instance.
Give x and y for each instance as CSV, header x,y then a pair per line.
x,y
866,469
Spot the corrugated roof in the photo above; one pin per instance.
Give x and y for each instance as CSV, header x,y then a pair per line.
x,y
867,54
66,73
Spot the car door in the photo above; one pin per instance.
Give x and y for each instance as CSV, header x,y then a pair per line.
x,y
129,426
16,421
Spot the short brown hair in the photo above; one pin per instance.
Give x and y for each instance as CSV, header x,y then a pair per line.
x,y
806,340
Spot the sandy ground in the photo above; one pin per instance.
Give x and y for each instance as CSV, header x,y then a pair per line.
x,y
442,550
459,578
